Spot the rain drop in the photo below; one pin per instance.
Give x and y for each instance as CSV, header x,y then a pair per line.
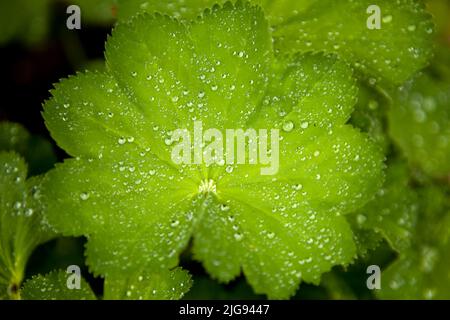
x,y
288,126
84,196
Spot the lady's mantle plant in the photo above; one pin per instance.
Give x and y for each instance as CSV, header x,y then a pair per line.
x,y
139,209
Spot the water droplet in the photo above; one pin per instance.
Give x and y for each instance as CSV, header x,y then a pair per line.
x,y
304,125
121,140
387,19
360,218
29,212
168,141
84,196
271,235
288,126
224,207
238,236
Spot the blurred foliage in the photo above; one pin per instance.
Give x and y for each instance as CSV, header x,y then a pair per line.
x,y
24,20
37,151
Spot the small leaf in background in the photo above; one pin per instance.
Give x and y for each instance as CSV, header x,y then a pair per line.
x,y
139,209
21,225
161,285
419,122
53,286
37,151
422,272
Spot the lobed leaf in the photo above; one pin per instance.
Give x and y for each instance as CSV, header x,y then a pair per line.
x,y
139,209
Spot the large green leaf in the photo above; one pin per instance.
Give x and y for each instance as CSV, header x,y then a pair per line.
x,y
139,208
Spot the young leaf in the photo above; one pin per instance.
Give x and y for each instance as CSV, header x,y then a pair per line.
x,y
139,208
53,286
21,228
400,47
166,285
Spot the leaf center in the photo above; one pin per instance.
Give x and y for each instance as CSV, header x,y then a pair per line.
x,y
206,186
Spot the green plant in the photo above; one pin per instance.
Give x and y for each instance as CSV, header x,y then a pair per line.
x,y
353,184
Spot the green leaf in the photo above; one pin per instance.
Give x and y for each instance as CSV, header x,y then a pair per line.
x,y
391,54
393,211
167,285
21,226
53,286
139,209
422,271
419,123
37,151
